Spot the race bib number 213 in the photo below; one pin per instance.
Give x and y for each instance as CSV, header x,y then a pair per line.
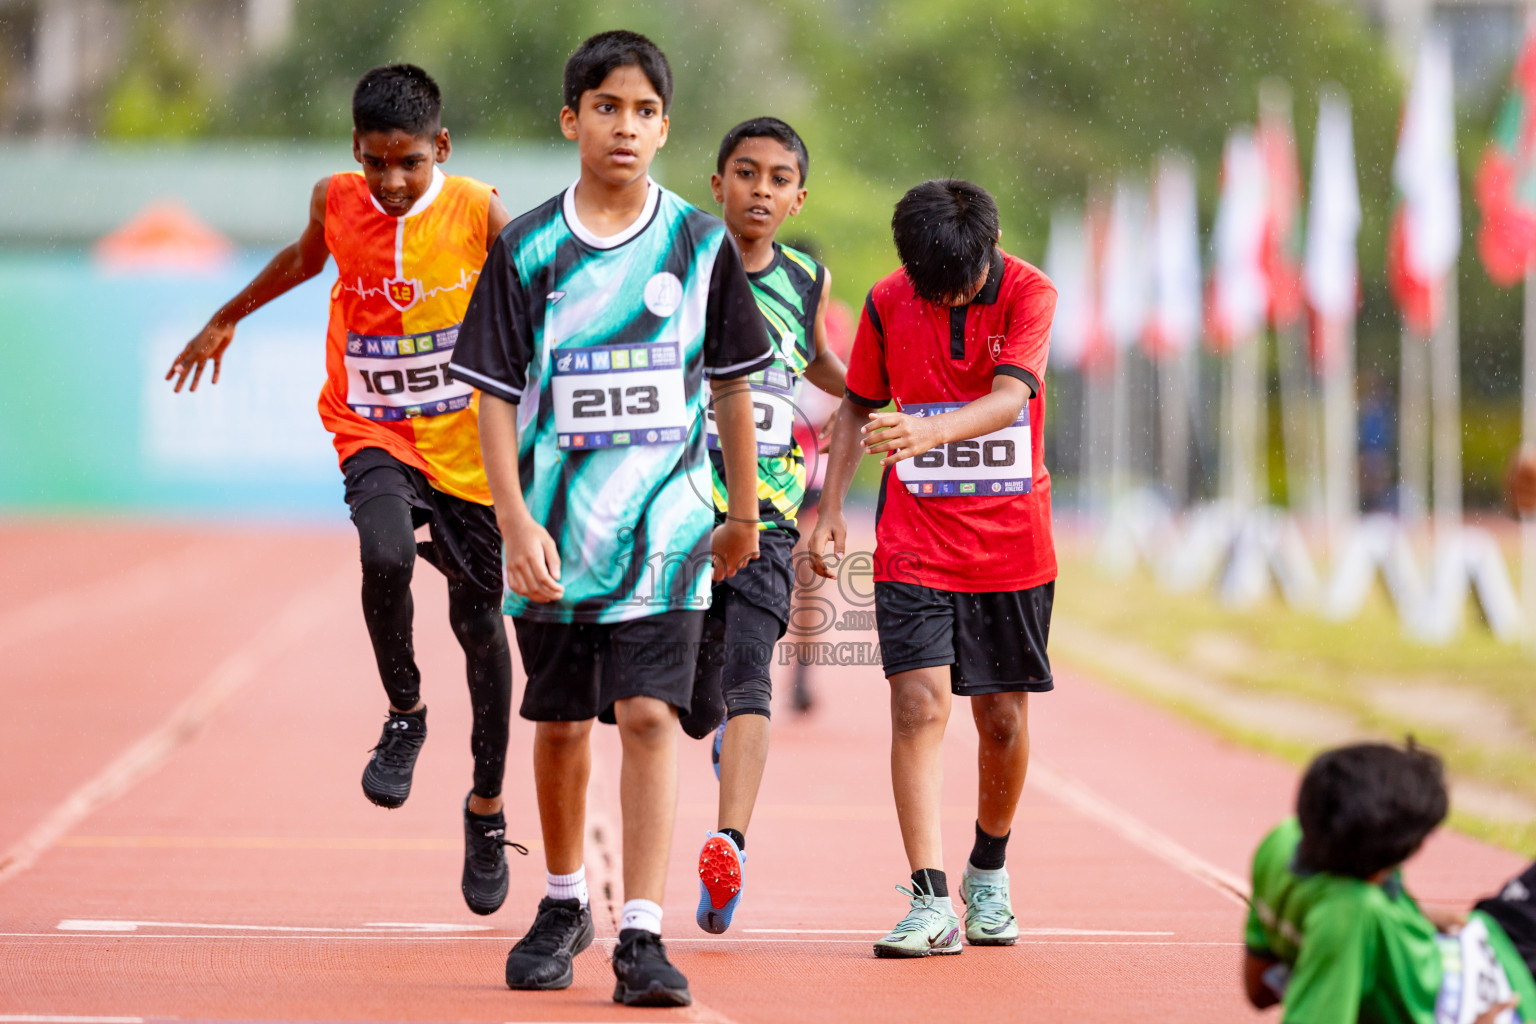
x,y
614,396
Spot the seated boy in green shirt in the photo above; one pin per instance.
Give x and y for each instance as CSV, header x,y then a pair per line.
x,y
1333,935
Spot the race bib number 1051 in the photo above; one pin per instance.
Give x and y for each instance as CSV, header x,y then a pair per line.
x,y
614,396
402,377
996,464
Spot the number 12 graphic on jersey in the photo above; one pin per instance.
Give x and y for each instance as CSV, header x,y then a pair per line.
x,y
614,396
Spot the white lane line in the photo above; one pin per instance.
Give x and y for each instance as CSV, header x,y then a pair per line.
x,y
297,619
44,1018
140,588
1067,790
510,939
1022,931
371,928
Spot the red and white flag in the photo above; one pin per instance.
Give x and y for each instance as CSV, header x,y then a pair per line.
x,y
1176,252
1332,273
1239,285
1426,223
1282,204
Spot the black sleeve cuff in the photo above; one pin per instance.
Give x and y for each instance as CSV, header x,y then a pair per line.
x,y
740,369
869,403
1021,374
484,383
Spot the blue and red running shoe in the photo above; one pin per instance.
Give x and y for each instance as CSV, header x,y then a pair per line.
x,y
720,873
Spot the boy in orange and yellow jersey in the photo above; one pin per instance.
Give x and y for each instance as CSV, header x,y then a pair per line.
x,y
408,242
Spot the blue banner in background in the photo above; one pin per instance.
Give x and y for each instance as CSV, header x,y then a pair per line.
x,y
91,425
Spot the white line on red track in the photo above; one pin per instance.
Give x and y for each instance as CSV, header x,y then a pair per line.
x,y
301,616
1066,790
1065,940
368,928
881,931
44,1018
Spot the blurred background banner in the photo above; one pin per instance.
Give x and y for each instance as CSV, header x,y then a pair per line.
x,y
113,256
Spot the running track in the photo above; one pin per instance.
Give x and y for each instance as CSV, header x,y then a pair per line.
x,y
182,835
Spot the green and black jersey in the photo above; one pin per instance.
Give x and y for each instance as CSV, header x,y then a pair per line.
x,y
604,344
788,293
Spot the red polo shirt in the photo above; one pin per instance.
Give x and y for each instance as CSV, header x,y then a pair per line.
x,y
919,353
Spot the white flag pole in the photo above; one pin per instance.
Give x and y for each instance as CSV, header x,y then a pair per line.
x,y
1528,441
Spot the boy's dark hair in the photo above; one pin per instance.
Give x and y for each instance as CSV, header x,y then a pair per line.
x,y
397,97
1368,806
765,128
945,232
595,59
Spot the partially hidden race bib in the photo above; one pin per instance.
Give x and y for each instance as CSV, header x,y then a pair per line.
x,y
995,464
614,396
1474,980
397,377
773,412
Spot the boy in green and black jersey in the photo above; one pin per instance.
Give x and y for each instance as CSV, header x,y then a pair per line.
x,y
759,180
603,323
1334,936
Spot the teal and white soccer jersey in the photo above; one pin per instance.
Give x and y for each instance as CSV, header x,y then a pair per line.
x,y
604,344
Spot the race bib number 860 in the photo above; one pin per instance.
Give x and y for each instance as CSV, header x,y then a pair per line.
x,y
995,464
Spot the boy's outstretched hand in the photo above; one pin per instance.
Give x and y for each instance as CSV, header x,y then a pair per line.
x,y
895,436
830,528
731,547
532,561
208,343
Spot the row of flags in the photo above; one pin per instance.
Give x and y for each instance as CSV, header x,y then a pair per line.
x,y
1128,268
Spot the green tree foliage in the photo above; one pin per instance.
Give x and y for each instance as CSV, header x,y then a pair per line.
x,y
1043,102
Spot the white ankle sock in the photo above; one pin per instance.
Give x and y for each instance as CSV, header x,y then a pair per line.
x,y
567,887
641,914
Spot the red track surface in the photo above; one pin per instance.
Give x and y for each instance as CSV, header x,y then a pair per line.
x,y
189,711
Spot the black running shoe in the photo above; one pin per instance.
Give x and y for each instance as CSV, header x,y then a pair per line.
x,y
542,958
645,976
484,882
387,778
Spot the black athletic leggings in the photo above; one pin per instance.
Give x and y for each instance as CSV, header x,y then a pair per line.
x,y
388,545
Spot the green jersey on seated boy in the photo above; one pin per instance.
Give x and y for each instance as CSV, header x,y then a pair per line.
x,y
1333,935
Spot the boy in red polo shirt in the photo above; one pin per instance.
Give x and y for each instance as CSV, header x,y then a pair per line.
x,y
964,564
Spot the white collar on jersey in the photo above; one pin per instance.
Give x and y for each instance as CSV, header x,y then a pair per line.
x,y
420,206
652,195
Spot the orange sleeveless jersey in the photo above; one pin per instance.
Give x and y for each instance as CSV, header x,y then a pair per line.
x,y
402,287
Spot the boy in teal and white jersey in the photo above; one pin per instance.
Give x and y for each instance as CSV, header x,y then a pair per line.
x,y
1334,936
591,333
759,181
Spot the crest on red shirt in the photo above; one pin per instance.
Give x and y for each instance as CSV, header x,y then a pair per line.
x,y
995,345
401,292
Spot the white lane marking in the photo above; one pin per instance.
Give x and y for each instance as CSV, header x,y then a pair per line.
x,y
1022,931
297,619
608,940
44,1018
141,587
370,928
1067,790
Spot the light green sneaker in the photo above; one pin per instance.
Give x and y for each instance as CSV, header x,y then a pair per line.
x,y
988,911
929,929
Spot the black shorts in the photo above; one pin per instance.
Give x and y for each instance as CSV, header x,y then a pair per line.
x,y
768,580
578,670
465,544
993,643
